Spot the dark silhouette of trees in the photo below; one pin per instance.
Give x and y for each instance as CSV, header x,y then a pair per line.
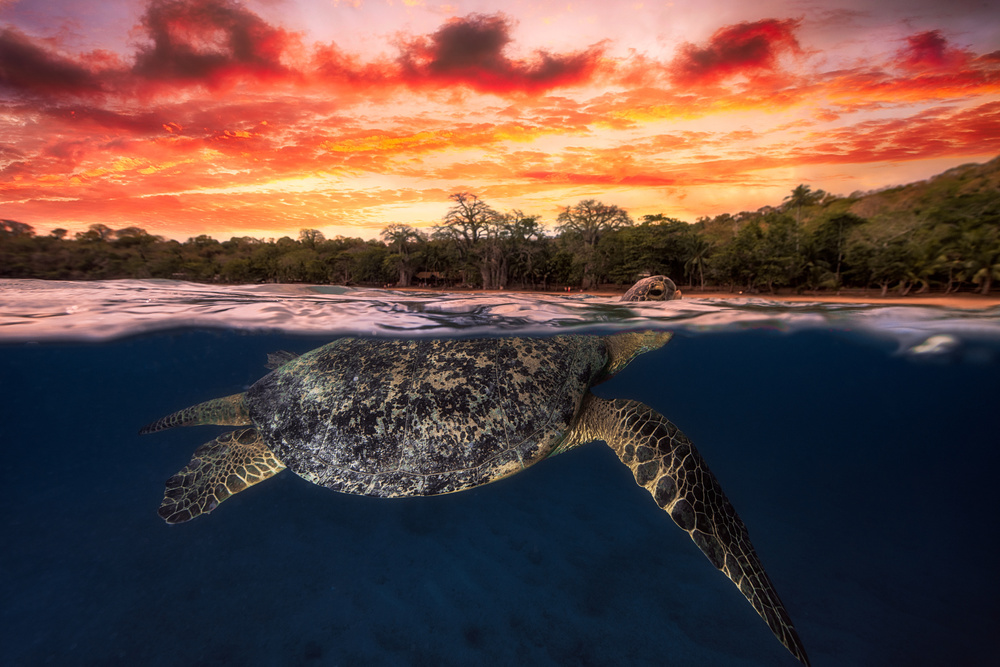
x,y
830,242
802,195
981,249
943,233
467,225
526,246
405,242
588,221
697,250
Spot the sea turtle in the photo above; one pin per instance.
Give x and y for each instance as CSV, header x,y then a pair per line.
x,y
394,418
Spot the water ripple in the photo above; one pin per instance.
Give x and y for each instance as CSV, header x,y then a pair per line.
x,y
35,310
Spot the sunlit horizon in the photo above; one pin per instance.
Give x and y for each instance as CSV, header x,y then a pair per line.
x,y
260,118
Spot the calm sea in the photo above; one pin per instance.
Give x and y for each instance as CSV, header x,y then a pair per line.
x,y
859,444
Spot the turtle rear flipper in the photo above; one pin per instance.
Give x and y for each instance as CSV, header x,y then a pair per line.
x,y
666,464
225,411
217,470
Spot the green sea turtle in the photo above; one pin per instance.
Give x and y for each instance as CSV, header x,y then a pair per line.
x,y
395,418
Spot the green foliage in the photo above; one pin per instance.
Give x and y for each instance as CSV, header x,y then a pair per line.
x,y
829,243
406,244
584,225
656,246
801,196
942,233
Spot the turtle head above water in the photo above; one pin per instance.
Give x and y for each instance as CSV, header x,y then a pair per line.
x,y
654,288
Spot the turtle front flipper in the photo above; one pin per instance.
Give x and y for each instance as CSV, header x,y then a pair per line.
x,y
217,470
666,463
225,411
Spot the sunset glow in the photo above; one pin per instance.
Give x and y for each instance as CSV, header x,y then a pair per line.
x,y
267,116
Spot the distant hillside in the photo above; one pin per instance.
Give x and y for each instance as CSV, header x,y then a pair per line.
x,y
943,232
893,212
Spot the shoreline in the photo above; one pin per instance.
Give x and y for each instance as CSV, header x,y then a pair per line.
x,y
962,300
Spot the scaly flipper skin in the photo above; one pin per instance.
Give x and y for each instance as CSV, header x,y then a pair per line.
x,y
225,411
666,464
217,470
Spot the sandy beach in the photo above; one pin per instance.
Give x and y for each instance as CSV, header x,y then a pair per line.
x,y
960,300
964,300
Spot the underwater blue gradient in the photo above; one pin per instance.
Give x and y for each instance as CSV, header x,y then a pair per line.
x,y
867,480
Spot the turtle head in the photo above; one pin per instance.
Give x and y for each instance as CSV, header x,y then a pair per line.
x,y
654,288
625,346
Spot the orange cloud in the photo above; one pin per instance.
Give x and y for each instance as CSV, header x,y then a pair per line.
x,y
95,137
636,180
962,78
937,132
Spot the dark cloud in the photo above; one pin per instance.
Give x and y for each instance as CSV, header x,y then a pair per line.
x,y
71,151
473,43
209,41
187,42
27,67
219,43
745,48
471,51
97,117
930,50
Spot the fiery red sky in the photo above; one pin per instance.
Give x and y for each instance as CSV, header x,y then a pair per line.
x,y
262,117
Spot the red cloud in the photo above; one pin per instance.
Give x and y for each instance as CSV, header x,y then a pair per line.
x,y
932,133
471,51
221,42
745,48
213,42
210,41
930,50
101,131
87,117
332,65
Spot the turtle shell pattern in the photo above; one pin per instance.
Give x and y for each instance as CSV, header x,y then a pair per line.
x,y
422,417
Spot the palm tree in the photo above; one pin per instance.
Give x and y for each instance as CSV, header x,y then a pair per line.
x,y
802,196
697,251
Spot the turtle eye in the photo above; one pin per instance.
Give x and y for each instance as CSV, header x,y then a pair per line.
x,y
656,291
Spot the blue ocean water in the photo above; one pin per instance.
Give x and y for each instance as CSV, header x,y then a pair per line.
x,y
859,444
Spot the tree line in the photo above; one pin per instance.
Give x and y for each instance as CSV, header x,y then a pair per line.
x,y
810,241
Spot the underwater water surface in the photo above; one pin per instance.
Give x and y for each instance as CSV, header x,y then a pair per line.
x,y
858,443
